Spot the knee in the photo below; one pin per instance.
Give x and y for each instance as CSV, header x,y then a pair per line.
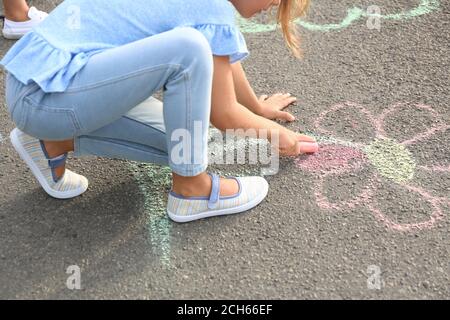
x,y
195,49
193,41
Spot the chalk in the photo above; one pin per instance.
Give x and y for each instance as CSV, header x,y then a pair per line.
x,y
435,216
153,180
353,14
309,147
392,160
333,159
389,159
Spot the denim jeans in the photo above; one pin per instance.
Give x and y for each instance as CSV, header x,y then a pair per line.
x,y
108,108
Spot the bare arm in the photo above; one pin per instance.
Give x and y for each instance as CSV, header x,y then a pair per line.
x,y
228,113
244,92
265,106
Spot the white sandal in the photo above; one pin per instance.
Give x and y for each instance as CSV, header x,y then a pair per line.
x,y
33,152
15,30
252,191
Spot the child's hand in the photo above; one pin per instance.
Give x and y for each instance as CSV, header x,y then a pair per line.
x,y
272,107
294,144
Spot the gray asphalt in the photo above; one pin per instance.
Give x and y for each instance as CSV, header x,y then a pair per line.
x,y
316,236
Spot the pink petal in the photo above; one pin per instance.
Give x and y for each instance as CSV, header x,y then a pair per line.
x,y
333,159
352,111
435,216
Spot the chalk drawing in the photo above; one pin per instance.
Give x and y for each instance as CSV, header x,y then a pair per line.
x,y
154,182
391,160
354,14
335,158
436,168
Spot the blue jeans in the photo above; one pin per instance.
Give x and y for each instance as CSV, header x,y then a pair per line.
x,y
108,108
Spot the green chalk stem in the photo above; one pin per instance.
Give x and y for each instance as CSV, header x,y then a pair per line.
x,y
150,181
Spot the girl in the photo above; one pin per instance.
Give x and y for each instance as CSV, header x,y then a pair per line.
x,y
96,63
19,18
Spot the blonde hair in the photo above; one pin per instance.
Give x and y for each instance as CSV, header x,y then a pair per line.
x,y
288,12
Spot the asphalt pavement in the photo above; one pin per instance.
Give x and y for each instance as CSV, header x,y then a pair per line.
x,y
368,217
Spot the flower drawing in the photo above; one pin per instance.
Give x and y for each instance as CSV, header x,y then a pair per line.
x,y
386,157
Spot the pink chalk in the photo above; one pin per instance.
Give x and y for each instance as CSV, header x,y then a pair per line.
x,y
309,147
332,158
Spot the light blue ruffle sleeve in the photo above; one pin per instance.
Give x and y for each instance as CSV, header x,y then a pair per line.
x,y
225,40
33,58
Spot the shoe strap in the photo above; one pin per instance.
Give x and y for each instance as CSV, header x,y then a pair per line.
x,y
58,161
54,163
215,192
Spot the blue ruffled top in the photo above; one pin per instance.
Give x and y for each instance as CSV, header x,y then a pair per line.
x,y
53,53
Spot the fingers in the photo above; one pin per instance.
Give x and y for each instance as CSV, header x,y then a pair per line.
x,y
291,152
284,95
283,115
300,148
281,99
307,144
303,138
287,99
308,147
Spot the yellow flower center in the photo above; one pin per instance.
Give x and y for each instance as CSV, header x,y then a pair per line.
x,y
391,159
